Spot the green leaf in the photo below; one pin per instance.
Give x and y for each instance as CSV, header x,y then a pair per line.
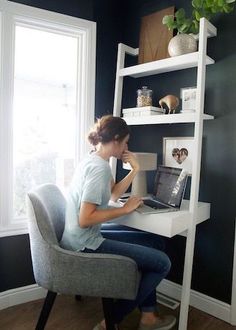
x,y
197,15
180,13
208,14
184,28
214,10
230,1
227,9
196,26
167,18
197,3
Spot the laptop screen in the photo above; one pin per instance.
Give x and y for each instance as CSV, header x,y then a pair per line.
x,y
170,185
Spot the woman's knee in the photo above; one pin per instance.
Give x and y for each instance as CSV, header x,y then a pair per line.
x,y
163,263
167,264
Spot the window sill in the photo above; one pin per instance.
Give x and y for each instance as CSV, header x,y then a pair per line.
x,y
21,229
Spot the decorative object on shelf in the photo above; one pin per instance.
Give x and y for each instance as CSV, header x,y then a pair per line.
x,y
154,37
181,44
178,152
147,162
142,111
188,96
169,101
144,97
185,25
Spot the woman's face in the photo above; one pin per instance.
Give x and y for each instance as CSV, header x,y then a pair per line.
x,y
120,147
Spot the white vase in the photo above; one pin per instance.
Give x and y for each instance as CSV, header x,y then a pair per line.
x,y
182,44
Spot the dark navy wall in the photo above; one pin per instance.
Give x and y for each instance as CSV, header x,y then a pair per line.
x,y
77,8
120,22
108,16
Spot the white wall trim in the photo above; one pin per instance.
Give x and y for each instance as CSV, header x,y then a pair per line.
x,y
198,300
21,295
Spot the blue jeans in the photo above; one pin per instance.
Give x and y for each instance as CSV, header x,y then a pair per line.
x,y
153,264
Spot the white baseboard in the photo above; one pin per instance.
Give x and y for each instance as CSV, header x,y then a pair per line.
x,y
198,300
21,295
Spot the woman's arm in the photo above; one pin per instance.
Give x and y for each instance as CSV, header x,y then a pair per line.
x,y
89,214
121,187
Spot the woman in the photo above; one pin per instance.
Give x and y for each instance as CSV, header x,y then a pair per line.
x,y
87,208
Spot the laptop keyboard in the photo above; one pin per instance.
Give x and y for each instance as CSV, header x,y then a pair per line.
x,y
153,204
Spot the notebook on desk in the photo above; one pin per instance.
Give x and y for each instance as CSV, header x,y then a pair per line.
x,y
168,192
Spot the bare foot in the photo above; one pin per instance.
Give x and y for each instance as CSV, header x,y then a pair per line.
x,y
103,324
148,318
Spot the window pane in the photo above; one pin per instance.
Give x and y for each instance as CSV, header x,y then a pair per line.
x,y
44,111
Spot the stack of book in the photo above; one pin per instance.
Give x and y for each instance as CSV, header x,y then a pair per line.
x,y
142,111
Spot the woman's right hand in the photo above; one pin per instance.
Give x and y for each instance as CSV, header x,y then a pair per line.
x,y
132,204
131,158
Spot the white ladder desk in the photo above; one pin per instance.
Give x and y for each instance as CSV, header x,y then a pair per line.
x,y
194,212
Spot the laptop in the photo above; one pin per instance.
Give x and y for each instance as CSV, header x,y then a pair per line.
x,y
169,188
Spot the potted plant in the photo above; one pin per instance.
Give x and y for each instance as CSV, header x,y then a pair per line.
x,y
184,42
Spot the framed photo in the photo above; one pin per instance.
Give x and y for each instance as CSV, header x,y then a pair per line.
x,y
178,152
188,96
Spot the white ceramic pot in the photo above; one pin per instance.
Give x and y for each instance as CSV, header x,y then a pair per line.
x,y
182,44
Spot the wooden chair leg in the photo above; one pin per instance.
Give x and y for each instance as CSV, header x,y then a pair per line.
x,y
46,309
107,304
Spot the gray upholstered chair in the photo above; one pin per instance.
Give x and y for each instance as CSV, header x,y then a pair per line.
x,y
68,272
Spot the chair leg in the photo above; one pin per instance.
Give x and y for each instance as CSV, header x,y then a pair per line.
x,y
47,306
107,304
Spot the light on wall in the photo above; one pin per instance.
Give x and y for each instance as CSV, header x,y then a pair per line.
x,y
147,162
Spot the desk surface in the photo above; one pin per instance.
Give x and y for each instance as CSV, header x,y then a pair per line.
x,y
166,224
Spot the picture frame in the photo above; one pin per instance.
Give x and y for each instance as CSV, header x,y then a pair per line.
x,y
178,152
188,96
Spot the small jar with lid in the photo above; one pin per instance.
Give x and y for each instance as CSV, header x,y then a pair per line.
x,y
144,97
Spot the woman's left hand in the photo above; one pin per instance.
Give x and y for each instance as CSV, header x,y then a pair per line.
x,y
129,157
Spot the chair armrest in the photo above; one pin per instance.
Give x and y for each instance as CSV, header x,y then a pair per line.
x,y
93,274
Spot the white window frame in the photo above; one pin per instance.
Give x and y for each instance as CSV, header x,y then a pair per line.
x,y
11,14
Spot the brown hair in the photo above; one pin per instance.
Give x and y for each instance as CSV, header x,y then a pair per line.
x,y
107,129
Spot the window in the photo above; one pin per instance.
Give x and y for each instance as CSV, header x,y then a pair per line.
x,y
47,103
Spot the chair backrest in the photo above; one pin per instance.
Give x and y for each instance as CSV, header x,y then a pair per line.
x,y
48,205
46,212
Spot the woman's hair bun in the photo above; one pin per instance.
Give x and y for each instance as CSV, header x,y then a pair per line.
x,y
94,138
108,128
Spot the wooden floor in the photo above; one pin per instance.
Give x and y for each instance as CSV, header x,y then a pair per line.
x,y
67,313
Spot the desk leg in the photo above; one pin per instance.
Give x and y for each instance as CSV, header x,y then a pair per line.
x,y
186,287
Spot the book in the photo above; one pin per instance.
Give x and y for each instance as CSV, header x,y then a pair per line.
x,y
142,111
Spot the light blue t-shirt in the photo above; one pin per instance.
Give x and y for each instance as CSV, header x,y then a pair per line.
x,y
91,183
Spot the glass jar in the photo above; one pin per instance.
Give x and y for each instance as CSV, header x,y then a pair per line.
x,y
144,97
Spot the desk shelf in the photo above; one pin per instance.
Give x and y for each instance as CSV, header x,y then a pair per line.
x,y
165,119
181,62
166,224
